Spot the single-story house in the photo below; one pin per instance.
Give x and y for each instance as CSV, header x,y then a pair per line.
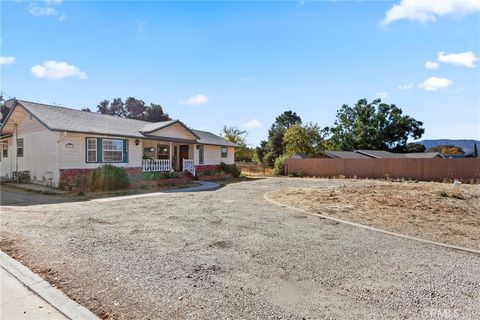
x,y
52,142
379,154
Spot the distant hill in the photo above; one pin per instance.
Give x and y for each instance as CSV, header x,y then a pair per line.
x,y
465,144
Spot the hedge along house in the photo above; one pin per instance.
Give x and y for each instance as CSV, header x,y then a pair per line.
x,y
52,144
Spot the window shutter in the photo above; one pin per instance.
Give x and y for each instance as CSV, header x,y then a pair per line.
x,y
99,150
125,151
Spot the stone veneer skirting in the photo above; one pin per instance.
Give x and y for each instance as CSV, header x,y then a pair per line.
x,y
77,179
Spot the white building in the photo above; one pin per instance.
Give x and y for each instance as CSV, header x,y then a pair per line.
x,y
51,142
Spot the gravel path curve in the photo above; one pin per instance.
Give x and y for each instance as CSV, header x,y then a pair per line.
x,y
230,254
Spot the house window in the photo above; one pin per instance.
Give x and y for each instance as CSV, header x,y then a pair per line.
x,y
5,149
201,154
224,152
112,150
91,150
163,152
20,148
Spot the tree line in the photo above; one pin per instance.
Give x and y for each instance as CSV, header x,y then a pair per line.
x,y
132,108
371,125
366,125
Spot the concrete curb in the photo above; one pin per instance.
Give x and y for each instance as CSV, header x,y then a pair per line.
x,y
42,288
266,197
203,186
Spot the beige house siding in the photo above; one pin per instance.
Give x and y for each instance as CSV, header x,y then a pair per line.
x,y
6,163
212,155
175,130
75,157
39,150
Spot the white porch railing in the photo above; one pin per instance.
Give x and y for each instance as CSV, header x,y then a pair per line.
x,y
155,165
188,165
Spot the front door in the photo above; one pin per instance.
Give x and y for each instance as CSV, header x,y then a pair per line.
x,y
183,155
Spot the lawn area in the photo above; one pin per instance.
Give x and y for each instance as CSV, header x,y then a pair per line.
x,y
434,211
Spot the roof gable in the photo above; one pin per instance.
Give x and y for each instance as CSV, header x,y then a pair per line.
x,y
22,118
172,128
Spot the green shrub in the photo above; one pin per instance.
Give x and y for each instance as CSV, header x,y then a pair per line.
x,y
230,169
209,172
279,165
107,178
159,175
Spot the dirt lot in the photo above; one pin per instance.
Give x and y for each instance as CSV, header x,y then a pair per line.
x,y
433,211
231,254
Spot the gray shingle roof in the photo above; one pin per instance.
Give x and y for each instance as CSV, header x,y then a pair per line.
x,y
65,119
299,155
424,155
380,154
210,138
345,155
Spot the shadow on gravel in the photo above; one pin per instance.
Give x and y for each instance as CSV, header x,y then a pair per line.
x,y
10,196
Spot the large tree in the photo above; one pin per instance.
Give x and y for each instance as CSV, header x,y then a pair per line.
x,y
287,119
446,149
274,147
238,136
374,125
415,147
4,110
133,108
155,113
307,139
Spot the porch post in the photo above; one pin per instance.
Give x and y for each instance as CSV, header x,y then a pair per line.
x,y
170,155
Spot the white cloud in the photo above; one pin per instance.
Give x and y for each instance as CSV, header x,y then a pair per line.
x,y
196,100
382,94
56,70
431,65
46,8
434,83
6,60
405,86
466,59
253,124
429,10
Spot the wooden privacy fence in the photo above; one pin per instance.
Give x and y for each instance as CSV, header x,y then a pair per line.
x,y
415,169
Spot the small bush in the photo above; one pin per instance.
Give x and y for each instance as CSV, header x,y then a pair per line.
x,y
107,178
279,165
230,169
299,174
208,172
159,175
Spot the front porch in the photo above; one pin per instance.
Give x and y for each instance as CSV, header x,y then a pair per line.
x,y
159,165
162,156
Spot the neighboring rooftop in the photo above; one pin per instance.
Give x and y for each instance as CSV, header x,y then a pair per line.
x,y
345,155
379,154
424,155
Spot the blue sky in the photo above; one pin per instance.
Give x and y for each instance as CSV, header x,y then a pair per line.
x,y
243,63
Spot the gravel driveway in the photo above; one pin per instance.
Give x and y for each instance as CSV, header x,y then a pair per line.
x,y
231,254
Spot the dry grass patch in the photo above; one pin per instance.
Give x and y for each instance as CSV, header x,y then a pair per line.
x,y
432,211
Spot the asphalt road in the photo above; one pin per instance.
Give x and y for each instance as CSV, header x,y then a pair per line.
x,y
230,254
